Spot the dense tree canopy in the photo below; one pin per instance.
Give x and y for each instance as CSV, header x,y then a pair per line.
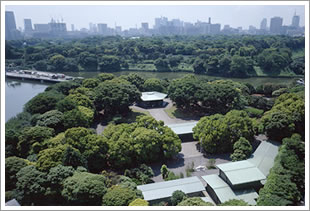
x,y
218,133
84,188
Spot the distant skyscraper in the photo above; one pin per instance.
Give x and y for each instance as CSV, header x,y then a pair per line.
x,y
57,28
28,25
10,25
145,26
102,28
263,24
276,25
72,27
295,20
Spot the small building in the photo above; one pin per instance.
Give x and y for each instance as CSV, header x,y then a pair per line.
x,y
184,130
162,191
152,99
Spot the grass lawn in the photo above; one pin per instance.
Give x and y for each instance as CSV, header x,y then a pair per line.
x,y
284,72
299,53
175,112
134,113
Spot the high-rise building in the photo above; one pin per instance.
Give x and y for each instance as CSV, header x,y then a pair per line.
x,y
11,32
263,24
276,25
28,25
145,26
295,20
72,27
57,28
102,28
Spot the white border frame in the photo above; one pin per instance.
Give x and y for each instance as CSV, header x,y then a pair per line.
x,y
5,3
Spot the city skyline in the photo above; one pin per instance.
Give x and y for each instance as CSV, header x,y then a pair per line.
x,y
106,14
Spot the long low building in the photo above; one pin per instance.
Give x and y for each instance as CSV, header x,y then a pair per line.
x,y
162,191
183,128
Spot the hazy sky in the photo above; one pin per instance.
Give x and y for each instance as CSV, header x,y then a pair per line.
x,y
130,16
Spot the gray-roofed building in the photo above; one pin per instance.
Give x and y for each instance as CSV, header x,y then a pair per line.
x,y
221,192
152,99
162,191
183,128
12,202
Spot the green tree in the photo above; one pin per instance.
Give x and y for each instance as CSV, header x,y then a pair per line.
x,y
84,189
139,202
52,119
177,197
51,157
118,196
12,166
234,202
136,80
43,102
218,133
199,66
194,201
31,139
105,76
153,84
242,150
109,64
164,171
55,178
90,82
66,104
58,62
75,118
73,157
31,186
115,97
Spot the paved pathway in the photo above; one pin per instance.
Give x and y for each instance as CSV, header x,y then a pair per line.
x,y
188,155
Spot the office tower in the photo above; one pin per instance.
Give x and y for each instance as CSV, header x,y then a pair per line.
x,y
28,26
215,28
72,27
209,20
295,20
263,24
57,27
102,28
10,25
145,26
276,25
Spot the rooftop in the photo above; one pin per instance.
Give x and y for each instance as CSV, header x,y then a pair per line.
x,y
225,193
12,202
264,155
161,190
183,128
241,172
152,96
253,169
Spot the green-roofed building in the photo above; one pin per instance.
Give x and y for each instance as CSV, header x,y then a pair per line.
x,y
241,174
221,192
253,171
241,179
162,191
